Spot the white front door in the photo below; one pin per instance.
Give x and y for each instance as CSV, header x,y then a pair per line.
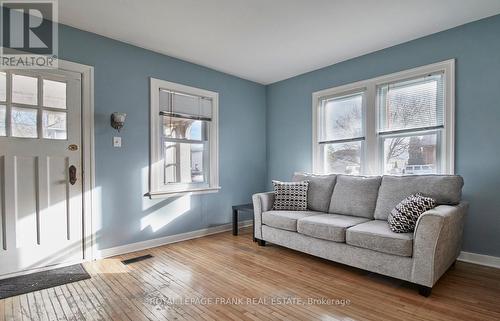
x,y
40,170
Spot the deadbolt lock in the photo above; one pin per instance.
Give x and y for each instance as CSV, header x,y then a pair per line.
x,y
73,147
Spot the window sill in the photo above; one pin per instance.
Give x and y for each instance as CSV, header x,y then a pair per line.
x,y
193,191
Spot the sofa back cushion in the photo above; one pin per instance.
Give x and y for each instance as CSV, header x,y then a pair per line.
x,y
320,190
355,195
445,189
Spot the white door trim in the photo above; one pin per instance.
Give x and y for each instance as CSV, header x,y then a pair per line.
x,y
88,160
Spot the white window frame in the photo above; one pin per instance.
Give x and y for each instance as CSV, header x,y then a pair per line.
x,y
372,163
156,188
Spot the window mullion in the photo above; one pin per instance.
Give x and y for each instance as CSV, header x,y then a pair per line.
x,y
410,130
178,167
39,107
371,146
338,141
317,151
8,104
183,140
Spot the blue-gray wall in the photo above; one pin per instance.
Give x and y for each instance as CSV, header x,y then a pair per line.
x,y
122,84
476,47
252,115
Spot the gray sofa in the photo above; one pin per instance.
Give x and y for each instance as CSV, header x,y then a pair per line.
x,y
346,222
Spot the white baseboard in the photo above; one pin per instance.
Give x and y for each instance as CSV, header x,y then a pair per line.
x,y
480,259
133,247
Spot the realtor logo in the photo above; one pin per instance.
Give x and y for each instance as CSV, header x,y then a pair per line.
x,y
29,37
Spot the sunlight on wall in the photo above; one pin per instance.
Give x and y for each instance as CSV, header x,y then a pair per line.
x,y
97,221
96,195
146,202
167,214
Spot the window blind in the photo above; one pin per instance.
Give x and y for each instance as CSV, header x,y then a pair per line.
x,y
411,105
180,105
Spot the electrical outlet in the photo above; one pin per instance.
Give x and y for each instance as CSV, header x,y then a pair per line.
x,y
117,142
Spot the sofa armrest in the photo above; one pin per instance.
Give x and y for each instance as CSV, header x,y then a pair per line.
x,y
437,242
262,202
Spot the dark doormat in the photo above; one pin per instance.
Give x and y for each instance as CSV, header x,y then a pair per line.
x,y
41,280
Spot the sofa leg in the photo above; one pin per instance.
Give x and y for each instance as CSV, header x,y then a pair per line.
x,y
453,264
261,242
424,290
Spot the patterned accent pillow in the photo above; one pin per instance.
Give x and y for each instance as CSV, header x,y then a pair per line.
x,y
403,218
290,196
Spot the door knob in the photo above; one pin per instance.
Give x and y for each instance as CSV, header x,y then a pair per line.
x,y
72,174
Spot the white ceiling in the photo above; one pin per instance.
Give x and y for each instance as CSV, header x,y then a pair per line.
x,y
269,40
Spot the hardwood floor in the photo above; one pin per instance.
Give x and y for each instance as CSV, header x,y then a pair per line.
x,y
206,278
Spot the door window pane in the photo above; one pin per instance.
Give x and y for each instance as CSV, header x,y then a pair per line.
x,y
3,86
24,90
410,155
341,118
23,122
412,103
54,124
3,131
343,158
54,94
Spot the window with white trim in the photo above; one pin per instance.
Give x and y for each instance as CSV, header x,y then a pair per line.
x,y
398,124
341,133
184,139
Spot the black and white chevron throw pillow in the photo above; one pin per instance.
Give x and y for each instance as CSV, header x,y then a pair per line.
x,y
403,218
290,196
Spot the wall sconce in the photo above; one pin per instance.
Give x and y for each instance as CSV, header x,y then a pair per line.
x,y
118,120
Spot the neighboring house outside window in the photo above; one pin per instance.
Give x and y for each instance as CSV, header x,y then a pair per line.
x,y
184,139
399,124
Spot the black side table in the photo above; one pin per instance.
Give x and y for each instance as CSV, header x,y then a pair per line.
x,y
242,208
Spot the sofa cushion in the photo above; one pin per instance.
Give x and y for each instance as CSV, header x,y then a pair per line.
x,y
286,220
376,235
355,195
445,189
290,196
330,227
320,190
